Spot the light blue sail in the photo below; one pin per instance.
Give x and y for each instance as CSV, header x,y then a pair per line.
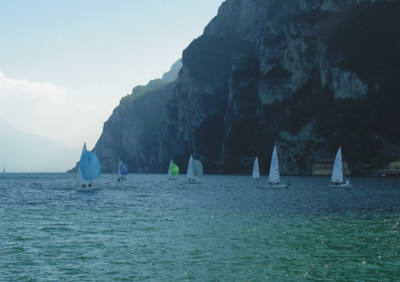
x,y
123,169
89,165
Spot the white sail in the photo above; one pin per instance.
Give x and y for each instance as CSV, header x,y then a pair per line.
x,y
197,168
256,169
170,169
274,175
337,173
189,173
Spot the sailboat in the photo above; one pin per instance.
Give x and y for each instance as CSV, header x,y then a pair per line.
x,y
4,170
122,171
198,168
256,169
337,177
274,177
173,170
194,170
89,167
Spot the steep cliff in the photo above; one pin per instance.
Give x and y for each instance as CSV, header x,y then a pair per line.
x,y
133,131
308,75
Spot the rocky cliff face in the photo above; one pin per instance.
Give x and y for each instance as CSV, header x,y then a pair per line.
x,y
307,75
133,131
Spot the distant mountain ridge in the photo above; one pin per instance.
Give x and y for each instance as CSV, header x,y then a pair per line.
x,y
306,75
23,152
155,84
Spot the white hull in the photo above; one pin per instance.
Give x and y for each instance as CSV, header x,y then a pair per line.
x,y
193,180
340,185
277,186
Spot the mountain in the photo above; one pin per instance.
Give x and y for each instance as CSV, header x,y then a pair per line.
x,y
307,75
172,74
131,133
23,152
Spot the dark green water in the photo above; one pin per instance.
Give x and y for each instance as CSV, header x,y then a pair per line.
x,y
225,229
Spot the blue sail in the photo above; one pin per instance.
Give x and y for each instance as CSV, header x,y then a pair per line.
x,y
123,169
89,166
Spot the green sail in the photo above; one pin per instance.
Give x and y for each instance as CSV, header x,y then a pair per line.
x,y
176,169
173,169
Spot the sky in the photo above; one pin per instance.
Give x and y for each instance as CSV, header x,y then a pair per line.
x,y
65,64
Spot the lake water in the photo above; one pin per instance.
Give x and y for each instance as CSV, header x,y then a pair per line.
x,y
225,229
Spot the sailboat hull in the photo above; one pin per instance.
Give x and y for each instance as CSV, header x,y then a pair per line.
x,y
193,180
341,185
277,186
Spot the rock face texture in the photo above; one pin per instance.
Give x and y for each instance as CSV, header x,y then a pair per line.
x,y
307,75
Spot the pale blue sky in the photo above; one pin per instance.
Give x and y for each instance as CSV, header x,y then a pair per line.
x,y
86,54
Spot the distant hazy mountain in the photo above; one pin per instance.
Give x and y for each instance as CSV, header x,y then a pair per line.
x,y
23,152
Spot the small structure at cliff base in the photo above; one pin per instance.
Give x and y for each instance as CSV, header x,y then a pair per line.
x,y
393,169
325,167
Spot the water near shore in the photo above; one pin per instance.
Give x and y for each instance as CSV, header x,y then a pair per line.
x,y
225,229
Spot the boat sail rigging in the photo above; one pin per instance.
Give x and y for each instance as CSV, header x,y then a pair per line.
x,y
89,167
337,177
256,169
274,177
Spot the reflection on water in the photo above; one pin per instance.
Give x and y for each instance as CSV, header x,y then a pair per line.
x,y
227,228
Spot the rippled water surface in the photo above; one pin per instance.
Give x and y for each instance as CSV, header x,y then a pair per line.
x,y
228,228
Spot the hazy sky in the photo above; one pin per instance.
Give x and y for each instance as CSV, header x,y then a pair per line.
x,y
65,64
